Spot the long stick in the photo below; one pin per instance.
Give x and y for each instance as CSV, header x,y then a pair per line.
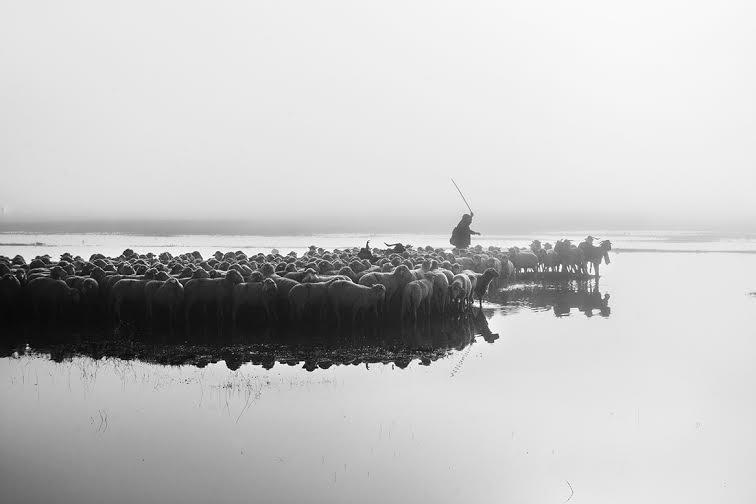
x,y
463,196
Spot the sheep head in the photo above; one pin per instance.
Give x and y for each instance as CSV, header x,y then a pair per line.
x,y
234,277
267,270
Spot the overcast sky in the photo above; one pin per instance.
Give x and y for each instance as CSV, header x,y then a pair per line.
x,y
550,112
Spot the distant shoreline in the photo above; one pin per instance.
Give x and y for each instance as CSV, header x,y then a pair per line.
x,y
683,235
378,227
616,250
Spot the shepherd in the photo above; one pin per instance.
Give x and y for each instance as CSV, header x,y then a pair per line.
x,y
461,234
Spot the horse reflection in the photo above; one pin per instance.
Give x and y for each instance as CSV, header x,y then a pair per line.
x,y
559,297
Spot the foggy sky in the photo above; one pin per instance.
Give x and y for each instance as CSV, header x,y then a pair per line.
x,y
345,115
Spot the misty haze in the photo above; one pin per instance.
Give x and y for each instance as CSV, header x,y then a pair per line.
x,y
348,117
342,251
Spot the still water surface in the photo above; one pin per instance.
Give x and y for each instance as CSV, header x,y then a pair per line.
x,y
651,401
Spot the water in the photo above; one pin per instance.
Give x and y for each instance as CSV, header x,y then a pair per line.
x,y
31,244
650,401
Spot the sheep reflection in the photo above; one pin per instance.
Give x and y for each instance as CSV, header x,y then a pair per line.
x,y
559,297
309,348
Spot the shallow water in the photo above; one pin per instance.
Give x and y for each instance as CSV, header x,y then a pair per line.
x,y
31,244
649,401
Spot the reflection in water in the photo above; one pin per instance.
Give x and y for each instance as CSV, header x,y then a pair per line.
x,y
560,297
313,347
660,411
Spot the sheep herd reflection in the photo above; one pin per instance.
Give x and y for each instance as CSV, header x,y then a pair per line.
x,y
312,347
559,297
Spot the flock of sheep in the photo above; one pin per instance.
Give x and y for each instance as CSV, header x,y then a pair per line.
x,y
355,285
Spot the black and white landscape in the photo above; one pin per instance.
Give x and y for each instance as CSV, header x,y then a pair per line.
x,y
234,268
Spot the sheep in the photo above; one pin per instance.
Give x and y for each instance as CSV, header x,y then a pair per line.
x,y
492,262
507,269
394,282
357,266
548,259
473,283
97,277
417,294
535,246
345,295
300,275
460,291
129,290
569,256
447,273
347,271
267,270
466,263
594,255
168,294
282,294
309,298
107,282
10,294
367,271
523,261
440,290
89,292
483,281
315,278
210,290
325,266
257,295
50,297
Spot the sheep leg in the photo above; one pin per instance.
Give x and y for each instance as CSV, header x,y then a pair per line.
x,y
204,319
117,312
338,317
187,311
